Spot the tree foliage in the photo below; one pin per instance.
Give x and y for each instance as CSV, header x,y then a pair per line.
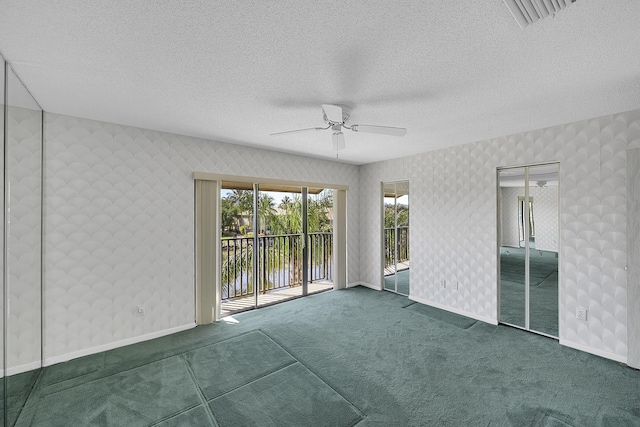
x,y
275,219
402,212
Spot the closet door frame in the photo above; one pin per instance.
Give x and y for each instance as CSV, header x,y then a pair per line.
x,y
527,245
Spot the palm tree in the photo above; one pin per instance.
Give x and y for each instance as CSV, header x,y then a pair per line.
x,y
243,200
285,203
267,212
229,213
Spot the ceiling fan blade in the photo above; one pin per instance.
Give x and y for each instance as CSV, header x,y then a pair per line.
x,y
298,131
384,130
333,112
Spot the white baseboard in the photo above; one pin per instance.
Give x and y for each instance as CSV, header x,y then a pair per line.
x,y
366,285
48,361
14,370
454,310
597,352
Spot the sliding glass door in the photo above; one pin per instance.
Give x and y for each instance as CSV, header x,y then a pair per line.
x,y
528,247
276,244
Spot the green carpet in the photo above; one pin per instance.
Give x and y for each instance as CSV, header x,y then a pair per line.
x,y
242,359
135,397
441,315
293,396
340,358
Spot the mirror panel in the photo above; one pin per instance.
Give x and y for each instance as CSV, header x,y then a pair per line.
x,y
396,236
543,252
528,241
402,237
512,254
389,254
23,204
2,292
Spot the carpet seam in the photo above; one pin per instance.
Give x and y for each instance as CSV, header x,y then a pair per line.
x,y
108,376
255,379
277,369
136,367
203,400
360,412
440,320
175,414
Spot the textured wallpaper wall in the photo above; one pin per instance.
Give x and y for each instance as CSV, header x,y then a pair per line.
x,y
119,220
454,227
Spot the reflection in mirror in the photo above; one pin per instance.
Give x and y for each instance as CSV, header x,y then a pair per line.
x,y
529,272
389,255
396,236
23,243
512,256
543,255
521,221
2,292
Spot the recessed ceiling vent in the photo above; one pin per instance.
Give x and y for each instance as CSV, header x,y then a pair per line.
x,y
528,12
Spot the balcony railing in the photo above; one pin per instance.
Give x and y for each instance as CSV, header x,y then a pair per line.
x,y
279,263
402,242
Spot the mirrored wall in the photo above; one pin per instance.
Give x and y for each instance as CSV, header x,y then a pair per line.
x,y
395,236
528,247
22,245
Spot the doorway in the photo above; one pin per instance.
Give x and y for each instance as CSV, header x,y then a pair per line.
x,y
395,236
528,239
276,243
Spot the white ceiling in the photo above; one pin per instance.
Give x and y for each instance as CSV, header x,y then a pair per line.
x,y
452,72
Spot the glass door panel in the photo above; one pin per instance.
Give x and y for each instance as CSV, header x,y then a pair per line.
x,y
280,245
512,277
237,232
283,234
543,251
320,240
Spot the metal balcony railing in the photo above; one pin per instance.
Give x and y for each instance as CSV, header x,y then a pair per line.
x,y
279,262
402,242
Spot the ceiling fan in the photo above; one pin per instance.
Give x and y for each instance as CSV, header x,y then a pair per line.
x,y
336,118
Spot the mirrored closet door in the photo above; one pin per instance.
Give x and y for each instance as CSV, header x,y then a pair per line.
x,y
395,236
22,246
528,247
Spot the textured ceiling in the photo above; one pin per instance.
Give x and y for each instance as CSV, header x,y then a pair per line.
x,y
452,72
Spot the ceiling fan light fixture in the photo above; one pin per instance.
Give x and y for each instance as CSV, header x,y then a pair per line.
x,y
337,138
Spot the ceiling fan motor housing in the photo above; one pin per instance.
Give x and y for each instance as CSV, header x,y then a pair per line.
x,y
346,115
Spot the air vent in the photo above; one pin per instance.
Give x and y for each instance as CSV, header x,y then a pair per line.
x,y
529,12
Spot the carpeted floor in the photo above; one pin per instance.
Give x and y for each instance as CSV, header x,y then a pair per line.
x,y
340,358
543,289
